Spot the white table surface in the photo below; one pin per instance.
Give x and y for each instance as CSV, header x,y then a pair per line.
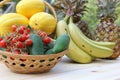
x,y
67,70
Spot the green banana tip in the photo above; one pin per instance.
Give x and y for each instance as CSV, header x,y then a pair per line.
x,y
66,18
71,20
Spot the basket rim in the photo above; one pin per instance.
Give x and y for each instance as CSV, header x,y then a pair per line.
x,y
31,56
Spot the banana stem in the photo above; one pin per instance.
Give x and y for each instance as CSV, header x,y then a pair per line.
x,y
71,20
66,18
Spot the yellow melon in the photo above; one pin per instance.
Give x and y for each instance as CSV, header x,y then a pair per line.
x,y
30,7
43,21
9,19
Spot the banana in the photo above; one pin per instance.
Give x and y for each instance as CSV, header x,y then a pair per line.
x,y
105,44
92,49
75,53
61,28
110,45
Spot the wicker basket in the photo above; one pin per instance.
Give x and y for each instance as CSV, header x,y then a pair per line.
x,y
31,63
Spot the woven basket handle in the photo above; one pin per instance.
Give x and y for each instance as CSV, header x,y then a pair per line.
x,y
3,2
51,8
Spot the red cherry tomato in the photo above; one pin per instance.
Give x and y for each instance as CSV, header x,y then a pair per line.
x,y
3,44
14,27
14,40
29,42
20,45
47,40
43,34
1,38
21,29
28,30
23,38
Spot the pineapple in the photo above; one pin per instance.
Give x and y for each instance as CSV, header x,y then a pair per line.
x,y
75,8
90,15
107,30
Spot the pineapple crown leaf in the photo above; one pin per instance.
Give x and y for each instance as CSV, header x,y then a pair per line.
x,y
71,7
106,9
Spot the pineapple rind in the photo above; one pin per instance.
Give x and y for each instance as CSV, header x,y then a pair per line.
x,y
107,30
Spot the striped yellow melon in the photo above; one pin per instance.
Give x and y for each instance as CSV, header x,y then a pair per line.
x,y
9,19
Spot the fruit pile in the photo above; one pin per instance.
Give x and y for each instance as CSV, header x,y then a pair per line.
x,y
83,48
17,41
25,40
36,18
24,32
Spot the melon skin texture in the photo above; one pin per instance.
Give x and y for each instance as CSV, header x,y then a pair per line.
x,y
30,7
9,19
43,21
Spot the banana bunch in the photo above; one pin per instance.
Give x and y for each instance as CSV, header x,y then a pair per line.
x,y
81,48
75,53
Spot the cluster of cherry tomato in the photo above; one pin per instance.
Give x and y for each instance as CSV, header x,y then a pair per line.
x,y
19,39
